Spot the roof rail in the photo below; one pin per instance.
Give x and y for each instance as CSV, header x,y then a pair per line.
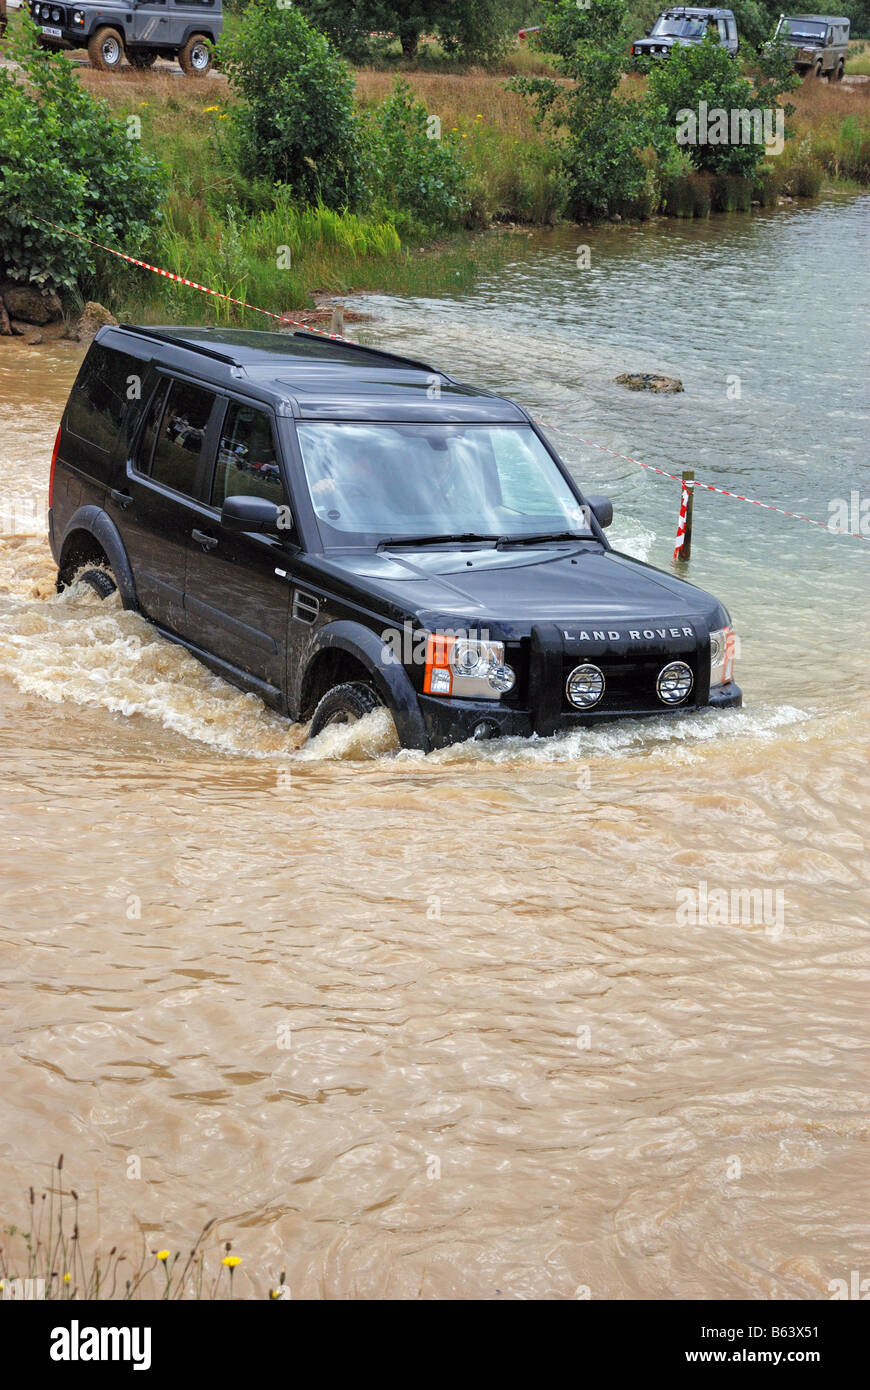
x,y
361,347
179,342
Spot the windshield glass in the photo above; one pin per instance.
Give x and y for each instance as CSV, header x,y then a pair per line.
x,y
802,29
679,28
372,482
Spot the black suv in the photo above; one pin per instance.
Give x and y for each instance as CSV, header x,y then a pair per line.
x,y
335,527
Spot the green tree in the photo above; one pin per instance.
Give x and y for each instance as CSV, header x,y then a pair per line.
x,y
476,31
599,134
64,159
296,121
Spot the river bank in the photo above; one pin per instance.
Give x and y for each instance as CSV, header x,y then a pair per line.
x,y
250,240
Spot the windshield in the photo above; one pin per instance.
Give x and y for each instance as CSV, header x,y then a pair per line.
x,y
373,482
678,28
802,29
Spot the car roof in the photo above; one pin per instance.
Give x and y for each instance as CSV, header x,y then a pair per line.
x,y
819,18
673,11
316,376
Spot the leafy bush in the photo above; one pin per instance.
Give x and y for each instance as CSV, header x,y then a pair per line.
x,y
296,122
706,73
599,135
423,179
63,158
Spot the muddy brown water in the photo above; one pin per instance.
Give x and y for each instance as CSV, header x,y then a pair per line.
x,y
437,1025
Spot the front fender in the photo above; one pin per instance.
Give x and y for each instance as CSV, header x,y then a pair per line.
x,y
97,523
388,675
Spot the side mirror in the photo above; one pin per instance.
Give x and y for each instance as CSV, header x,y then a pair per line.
x,y
602,509
253,514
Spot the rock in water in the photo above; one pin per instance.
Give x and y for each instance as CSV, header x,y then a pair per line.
x,y
650,381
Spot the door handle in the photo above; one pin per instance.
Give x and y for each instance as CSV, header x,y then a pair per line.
x,y
204,539
123,499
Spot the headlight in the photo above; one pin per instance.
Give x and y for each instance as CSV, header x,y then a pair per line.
x,y
722,644
467,667
78,16
55,14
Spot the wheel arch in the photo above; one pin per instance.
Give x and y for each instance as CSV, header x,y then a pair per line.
x,y
92,535
353,652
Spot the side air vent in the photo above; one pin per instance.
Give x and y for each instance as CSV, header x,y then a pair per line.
x,y
305,607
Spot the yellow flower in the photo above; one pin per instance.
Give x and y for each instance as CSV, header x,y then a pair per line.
x,y
478,117
66,1278
465,137
211,108
163,1254
231,1261
222,116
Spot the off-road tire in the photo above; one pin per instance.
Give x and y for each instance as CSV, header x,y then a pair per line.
x,y
836,74
113,42
190,57
100,581
343,704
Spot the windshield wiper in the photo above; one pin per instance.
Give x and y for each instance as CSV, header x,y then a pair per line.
x,y
543,536
437,540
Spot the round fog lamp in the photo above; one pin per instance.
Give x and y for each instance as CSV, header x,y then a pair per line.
x,y
585,686
674,682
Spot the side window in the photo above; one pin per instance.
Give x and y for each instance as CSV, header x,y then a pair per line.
x,y
149,432
181,436
247,462
723,30
731,26
107,383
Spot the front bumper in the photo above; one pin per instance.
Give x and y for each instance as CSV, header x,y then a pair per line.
x,y
454,721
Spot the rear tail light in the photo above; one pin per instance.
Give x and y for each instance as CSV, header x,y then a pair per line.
x,y
53,465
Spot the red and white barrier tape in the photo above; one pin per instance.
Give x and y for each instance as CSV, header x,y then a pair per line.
x,y
191,284
339,337
707,487
681,523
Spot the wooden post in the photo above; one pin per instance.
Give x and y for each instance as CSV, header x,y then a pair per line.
x,y
688,477
338,319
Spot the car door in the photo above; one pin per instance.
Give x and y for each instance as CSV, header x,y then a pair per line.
x,y
149,23
166,476
238,584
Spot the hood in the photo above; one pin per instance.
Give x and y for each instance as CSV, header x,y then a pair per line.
x,y
509,590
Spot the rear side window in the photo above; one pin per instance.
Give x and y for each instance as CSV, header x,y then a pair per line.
x,y
247,461
181,437
107,383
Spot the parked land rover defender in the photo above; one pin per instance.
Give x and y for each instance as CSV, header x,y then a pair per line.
x,y
337,528
680,26
816,44
142,31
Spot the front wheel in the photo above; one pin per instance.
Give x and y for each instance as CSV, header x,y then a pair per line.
x,y
100,581
194,59
106,50
343,704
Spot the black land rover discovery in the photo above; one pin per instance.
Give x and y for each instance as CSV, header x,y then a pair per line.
x,y
335,527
